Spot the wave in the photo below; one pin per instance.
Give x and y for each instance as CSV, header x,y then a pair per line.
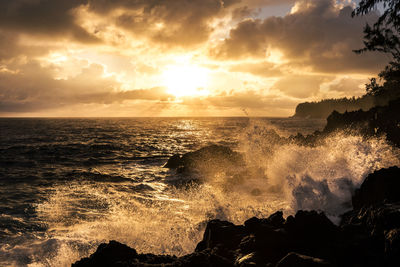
x,y
163,219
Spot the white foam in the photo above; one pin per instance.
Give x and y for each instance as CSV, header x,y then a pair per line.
x,y
171,221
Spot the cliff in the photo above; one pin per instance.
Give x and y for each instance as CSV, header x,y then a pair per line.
x,y
322,109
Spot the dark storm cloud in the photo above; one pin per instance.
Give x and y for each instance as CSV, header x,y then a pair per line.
x,y
148,6
176,22
8,46
11,47
318,34
173,22
33,88
46,17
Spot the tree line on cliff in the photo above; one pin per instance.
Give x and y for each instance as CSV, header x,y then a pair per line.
x,y
383,36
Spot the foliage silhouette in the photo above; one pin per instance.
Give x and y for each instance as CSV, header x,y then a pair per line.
x,y
383,36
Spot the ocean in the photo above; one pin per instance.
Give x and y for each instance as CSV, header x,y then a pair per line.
x,y
66,185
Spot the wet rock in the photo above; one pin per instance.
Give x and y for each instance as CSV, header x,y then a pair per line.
x,y
276,219
221,233
248,244
111,254
368,236
247,260
211,158
310,225
174,162
392,247
382,121
377,121
382,185
374,220
367,229
298,260
203,258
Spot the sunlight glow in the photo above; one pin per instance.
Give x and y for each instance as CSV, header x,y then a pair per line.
x,y
185,80
57,58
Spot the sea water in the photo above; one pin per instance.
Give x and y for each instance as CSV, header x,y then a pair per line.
x,y
66,185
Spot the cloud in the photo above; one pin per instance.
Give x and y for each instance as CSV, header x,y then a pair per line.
x,y
264,69
45,17
171,22
240,103
300,86
317,34
32,87
348,86
52,58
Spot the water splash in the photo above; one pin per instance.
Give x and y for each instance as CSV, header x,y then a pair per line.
x,y
167,220
321,177
170,222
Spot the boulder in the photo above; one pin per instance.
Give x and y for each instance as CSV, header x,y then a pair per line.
x,y
247,260
221,233
368,236
374,220
174,162
310,224
382,185
211,158
392,247
297,260
203,258
111,254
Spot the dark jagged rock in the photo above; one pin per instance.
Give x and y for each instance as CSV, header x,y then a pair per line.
x,y
211,158
377,121
174,162
297,260
380,120
203,258
111,254
368,236
276,219
375,220
382,185
392,245
248,260
221,233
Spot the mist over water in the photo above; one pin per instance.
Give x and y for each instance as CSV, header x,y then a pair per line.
x,y
71,184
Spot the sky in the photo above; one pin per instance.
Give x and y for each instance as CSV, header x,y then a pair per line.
x,y
105,58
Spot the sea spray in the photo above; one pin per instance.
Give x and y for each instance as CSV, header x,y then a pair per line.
x,y
163,219
320,176
171,222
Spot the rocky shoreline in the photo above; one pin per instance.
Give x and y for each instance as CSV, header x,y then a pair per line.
x,y
368,235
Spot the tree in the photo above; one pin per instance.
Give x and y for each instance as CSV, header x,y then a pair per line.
x,y
383,36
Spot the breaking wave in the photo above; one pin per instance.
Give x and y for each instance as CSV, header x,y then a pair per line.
x,y
154,216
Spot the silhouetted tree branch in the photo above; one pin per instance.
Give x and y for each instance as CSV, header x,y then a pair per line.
x,y
383,36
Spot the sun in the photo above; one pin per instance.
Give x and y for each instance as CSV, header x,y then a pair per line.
x,y
185,80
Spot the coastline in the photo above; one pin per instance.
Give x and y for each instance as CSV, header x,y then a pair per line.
x,y
367,235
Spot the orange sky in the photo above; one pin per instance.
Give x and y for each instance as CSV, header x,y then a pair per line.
x,y
178,57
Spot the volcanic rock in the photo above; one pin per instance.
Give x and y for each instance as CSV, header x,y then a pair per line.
x,y
211,158
382,185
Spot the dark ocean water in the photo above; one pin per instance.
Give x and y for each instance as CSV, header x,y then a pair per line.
x,y
68,184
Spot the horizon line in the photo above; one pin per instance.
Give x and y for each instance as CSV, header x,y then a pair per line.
x,y
127,117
